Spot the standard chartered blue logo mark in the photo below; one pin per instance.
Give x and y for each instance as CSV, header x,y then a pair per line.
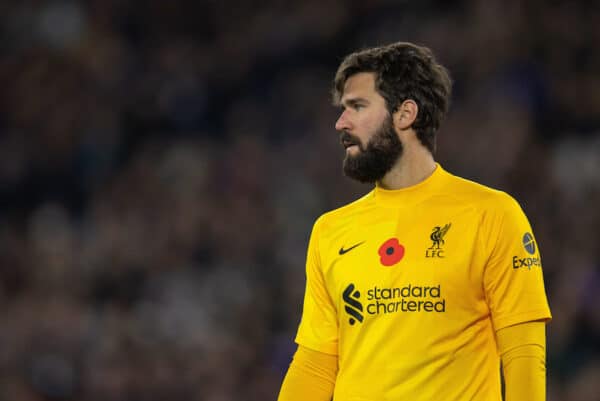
x,y
353,306
529,243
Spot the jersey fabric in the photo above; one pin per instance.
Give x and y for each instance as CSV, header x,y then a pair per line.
x,y
407,287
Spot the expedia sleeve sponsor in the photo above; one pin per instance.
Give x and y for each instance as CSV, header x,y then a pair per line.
x,y
518,262
529,247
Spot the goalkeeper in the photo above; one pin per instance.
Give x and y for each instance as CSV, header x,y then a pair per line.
x,y
422,288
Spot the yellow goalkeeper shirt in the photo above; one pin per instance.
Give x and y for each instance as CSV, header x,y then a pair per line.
x,y
408,287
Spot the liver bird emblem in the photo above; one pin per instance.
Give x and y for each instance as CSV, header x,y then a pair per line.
x,y
437,236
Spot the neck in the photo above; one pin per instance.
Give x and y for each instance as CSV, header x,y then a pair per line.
x,y
414,165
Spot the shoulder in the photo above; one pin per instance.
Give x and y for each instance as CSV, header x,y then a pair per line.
x,y
498,215
479,196
344,215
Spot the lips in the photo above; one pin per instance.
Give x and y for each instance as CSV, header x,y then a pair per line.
x,y
347,140
347,144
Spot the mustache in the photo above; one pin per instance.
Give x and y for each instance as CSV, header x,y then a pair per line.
x,y
346,138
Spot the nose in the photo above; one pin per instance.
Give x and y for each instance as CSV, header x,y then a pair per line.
x,y
343,123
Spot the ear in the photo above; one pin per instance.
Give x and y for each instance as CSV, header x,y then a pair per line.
x,y
406,114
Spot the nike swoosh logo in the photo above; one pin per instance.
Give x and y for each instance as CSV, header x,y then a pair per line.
x,y
344,251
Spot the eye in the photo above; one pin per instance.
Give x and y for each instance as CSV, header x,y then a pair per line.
x,y
358,107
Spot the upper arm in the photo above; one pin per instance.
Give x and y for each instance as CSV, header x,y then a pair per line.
x,y
513,278
319,325
523,334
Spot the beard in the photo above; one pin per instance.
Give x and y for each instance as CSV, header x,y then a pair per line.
x,y
375,160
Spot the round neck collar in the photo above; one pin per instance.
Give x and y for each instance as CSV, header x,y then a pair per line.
x,y
411,194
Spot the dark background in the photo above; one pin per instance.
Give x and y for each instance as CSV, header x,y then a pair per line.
x,y
162,162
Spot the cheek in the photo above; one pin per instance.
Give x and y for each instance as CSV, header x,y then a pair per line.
x,y
374,120
369,130
368,123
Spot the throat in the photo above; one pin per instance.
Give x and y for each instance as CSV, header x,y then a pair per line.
x,y
406,174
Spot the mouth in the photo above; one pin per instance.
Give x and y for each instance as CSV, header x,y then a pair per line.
x,y
348,143
352,149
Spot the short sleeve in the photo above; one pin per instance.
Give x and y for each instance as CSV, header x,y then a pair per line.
x,y
513,277
318,327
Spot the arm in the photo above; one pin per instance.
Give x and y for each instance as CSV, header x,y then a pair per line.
x,y
523,351
311,375
514,289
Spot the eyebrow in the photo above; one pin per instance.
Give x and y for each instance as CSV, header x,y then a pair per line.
x,y
351,102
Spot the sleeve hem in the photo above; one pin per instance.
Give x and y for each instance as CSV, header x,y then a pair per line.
x,y
330,349
538,314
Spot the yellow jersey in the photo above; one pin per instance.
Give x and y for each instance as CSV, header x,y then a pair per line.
x,y
408,287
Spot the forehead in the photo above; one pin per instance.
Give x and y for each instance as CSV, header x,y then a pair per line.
x,y
361,85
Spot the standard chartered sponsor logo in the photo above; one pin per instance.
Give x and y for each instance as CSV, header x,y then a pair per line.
x,y
381,301
410,298
353,306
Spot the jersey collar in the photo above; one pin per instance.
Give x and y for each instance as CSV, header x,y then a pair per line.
x,y
410,195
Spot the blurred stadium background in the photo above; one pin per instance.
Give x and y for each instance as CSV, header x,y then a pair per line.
x,y
162,162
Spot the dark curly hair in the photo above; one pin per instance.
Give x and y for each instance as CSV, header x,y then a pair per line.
x,y
403,71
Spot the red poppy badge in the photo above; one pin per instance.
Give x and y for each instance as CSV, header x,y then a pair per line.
x,y
391,252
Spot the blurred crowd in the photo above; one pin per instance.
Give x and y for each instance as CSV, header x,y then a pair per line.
x,y
162,163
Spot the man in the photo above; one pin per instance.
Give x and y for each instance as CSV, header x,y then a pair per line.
x,y
419,289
